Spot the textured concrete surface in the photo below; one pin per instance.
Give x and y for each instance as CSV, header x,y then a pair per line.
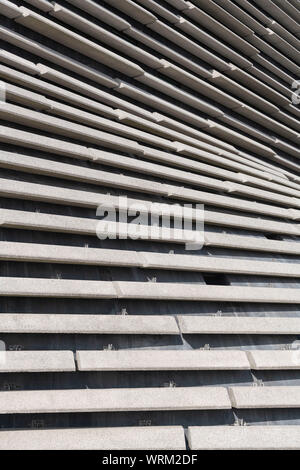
x,y
36,361
244,438
268,360
161,360
265,397
148,399
124,438
197,324
88,324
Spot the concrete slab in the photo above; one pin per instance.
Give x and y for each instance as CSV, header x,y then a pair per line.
x,y
195,292
117,438
126,360
244,437
49,323
37,361
203,324
265,397
274,359
114,400
30,287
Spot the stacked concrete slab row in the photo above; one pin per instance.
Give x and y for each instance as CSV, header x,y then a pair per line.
x,y
138,343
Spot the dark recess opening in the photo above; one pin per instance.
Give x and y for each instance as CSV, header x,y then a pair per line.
x,y
273,236
215,279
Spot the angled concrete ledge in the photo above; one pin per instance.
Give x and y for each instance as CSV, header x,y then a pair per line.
x,y
55,57
114,400
117,438
86,47
244,437
265,397
103,14
43,5
18,62
104,36
196,292
18,114
203,324
274,359
51,90
47,323
58,223
129,360
33,252
10,10
29,287
74,197
133,10
37,361
56,169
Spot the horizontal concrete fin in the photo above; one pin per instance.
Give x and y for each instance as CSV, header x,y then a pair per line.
x,y
34,252
116,438
244,437
274,359
47,323
127,360
29,287
37,361
265,397
114,400
190,292
203,324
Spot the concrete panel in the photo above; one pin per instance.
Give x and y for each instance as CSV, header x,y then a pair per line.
x,y
159,10
51,55
274,360
218,264
41,166
249,243
194,292
40,142
47,323
26,97
124,438
28,164
203,325
104,36
188,44
126,360
214,44
58,223
157,103
265,397
18,62
72,40
32,252
29,287
114,400
37,361
178,94
54,91
43,5
9,9
219,29
18,114
92,92
169,52
108,125
103,14
133,10
244,438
